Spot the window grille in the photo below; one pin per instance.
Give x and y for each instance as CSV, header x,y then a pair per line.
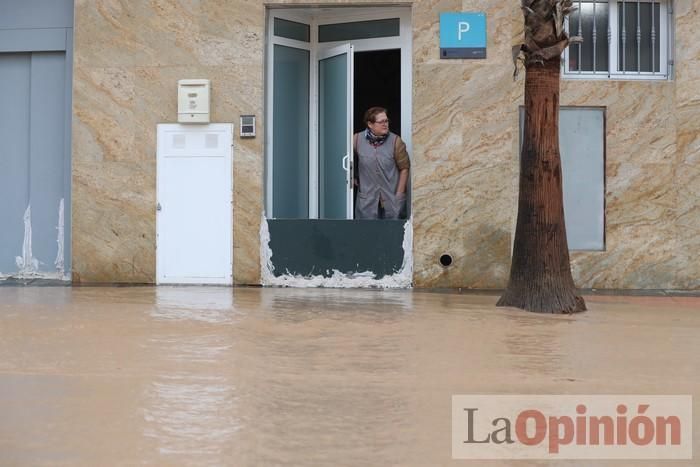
x,y
621,39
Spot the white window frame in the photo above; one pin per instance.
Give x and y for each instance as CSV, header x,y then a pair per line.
x,y
315,17
664,36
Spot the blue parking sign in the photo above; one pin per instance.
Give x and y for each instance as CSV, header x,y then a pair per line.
x,y
462,35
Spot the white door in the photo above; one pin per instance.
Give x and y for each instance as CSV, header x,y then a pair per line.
x,y
335,104
194,221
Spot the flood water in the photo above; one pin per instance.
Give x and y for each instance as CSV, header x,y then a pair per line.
x,y
289,377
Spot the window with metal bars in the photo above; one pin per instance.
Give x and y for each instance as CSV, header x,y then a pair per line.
x,y
621,39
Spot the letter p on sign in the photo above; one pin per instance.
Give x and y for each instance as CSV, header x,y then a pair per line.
x,y
462,27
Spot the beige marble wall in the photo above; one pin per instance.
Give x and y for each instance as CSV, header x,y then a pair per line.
x,y
652,173
128,58
129,55
465,122
465,175
686,173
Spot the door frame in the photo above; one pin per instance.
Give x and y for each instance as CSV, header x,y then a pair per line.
x,y
314,17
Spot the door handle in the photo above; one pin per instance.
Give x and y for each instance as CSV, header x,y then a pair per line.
x,y
346,163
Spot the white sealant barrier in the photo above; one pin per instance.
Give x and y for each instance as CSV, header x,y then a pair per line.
x,y
27,264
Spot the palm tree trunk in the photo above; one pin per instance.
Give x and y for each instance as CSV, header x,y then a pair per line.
x,y
540,276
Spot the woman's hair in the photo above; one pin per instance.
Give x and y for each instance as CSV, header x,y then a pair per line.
x,y
372,113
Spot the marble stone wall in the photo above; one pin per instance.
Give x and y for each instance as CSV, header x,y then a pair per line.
x,y
686,171
129,56
465,154
128,59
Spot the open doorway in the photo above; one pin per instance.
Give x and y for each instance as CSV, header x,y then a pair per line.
x,y
378,83
325,68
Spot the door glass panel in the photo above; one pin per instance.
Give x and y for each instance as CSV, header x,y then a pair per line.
x,y
333,136
290,145
359,30
292,30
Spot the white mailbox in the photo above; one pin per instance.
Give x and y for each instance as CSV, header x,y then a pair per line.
x,y
193,100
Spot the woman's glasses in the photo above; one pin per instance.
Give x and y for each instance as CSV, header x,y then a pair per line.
x,y
382,122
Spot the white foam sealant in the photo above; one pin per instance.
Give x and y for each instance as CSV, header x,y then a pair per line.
x,y
27,264
59,262
366,279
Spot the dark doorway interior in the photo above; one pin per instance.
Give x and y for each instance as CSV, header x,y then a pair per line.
x,y
378,83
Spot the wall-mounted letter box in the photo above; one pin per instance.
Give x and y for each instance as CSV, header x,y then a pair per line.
x,y
193,100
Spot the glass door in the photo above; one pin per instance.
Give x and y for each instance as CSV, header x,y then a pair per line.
x,y
290,180
335,154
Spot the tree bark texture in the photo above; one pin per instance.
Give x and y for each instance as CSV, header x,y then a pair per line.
x,y
540,276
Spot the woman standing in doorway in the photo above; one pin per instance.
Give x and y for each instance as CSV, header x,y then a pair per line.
x,y
383,166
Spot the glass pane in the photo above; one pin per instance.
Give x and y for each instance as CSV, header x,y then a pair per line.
x,y
575,49
650,37
359,30
627,24
292,30
290,154
635,56
332,136
602,19
581,56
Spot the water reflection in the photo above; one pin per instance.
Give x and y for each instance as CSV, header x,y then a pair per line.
x,y
192,409
191,415
185,349
536,344
374,305
206,304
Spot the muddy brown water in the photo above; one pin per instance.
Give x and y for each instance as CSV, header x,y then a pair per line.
x,y
289,377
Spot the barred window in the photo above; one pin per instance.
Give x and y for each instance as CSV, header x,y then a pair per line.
x,y
621,39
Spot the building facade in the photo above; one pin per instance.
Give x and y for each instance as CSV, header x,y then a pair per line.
x,y
630,131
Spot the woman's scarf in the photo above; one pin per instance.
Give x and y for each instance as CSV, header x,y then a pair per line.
x,y
375,140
